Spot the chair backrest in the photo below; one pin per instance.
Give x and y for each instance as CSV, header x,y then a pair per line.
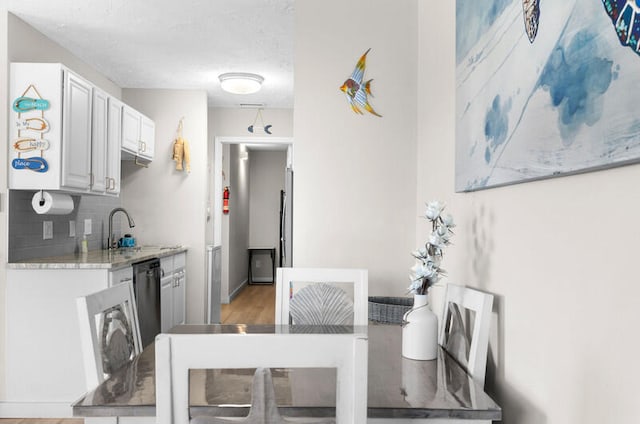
x,y
176,354
463,334
291,282
109,331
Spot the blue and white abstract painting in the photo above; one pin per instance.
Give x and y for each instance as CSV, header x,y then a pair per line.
x,y
545,88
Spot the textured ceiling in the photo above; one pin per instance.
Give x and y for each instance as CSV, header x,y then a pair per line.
x,y
176,44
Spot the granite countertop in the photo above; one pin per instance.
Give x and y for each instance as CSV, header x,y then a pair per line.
x,y
99,259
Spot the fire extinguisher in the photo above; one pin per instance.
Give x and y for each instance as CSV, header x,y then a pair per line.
x,y
225,200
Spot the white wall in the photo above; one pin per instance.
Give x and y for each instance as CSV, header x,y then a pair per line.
x,y
169,206
236,222
227,122
558,254
267,170
29,45
355,175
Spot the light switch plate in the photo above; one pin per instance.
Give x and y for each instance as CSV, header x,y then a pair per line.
x,y
87,226
47,230
72,228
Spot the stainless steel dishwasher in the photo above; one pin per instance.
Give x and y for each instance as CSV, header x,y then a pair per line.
x,y
146,286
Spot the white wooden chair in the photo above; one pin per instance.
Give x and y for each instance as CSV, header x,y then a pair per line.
x,y
291,281
177,353
466,338
109,331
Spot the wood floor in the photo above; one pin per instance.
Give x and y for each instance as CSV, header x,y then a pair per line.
x,y
254,305
41,421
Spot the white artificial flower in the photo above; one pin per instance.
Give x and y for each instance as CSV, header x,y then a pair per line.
x,y
448,221
415,286
421,271
437,241
420,253
427,272
434,209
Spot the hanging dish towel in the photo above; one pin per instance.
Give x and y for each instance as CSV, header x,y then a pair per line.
x,y
182,153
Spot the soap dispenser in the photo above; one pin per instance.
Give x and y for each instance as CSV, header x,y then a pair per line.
x,y
85,244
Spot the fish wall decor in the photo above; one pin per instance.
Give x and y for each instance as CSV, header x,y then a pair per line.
x,y
625,16
357,90
531,13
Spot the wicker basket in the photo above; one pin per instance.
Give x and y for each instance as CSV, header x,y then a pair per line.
x,y
388,310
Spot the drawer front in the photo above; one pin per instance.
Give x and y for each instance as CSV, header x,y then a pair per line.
x,y
120,276
167,266
179,260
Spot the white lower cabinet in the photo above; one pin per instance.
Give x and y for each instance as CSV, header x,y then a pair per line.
x,y
44,374
172,291
166,303
43,366
180,279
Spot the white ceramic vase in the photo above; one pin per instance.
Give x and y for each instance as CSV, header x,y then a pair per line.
x,y
420,331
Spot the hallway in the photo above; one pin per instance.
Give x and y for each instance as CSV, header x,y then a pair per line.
x,y
254,305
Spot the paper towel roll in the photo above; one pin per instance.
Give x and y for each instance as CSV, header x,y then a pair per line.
x,y
45,203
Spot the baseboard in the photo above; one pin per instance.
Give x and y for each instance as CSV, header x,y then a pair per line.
x,y
237,291
262,280
35,410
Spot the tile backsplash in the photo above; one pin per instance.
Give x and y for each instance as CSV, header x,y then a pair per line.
x,y
25,226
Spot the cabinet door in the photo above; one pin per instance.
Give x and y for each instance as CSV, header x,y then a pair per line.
x,y
166,303
114,142
76,133
130,129
179,287
99,181
147,137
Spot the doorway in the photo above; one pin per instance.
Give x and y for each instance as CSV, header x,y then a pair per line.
x,y
231,231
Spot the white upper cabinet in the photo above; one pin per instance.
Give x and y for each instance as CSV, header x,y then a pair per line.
x,y
147,137
114,143
66,134
50,121
99,140
130,130
138,135
76,132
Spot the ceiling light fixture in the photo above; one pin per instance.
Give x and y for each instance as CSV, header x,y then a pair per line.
x,y
240,82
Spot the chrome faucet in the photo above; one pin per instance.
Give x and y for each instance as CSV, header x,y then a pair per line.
x,y
110,239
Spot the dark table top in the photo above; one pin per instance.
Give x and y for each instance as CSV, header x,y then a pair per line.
x,y
397,387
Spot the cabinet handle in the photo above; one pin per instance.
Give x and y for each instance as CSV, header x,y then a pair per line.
x,y
124,280
143,146
113,185
91,179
